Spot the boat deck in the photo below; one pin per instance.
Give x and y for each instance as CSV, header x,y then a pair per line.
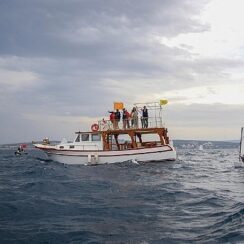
x,y
136,140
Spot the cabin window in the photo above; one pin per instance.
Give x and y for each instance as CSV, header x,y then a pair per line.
x,y
85,137
61,147
96,137
71,146
77,138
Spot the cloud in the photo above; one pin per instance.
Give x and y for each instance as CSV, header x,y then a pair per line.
x,y
16,80
66,59
209,94
90,28
88,49
204,121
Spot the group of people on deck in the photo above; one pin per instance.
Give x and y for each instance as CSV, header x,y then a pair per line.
x,y
130,120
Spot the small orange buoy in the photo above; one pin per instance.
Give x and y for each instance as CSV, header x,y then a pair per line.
x,y
95,127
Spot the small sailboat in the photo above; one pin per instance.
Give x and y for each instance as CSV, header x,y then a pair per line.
x,y
241,153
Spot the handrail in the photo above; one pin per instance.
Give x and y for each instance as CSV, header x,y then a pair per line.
x,y
150,122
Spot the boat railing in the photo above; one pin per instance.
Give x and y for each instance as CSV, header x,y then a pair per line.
x,y
90,147
150,122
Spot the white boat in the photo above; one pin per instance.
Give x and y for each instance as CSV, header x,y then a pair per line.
x,y
106,144
241,152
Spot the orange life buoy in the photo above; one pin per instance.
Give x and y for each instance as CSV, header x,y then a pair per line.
x,y
95,127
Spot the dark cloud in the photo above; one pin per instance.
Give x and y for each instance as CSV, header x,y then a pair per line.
x,y
86,29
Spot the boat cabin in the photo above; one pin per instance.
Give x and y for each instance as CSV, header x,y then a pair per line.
x,y
87,141
87,137
120,139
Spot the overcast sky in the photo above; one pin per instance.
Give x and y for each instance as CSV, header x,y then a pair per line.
x,y
64,62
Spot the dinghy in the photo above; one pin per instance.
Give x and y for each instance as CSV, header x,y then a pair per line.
x,y
20,151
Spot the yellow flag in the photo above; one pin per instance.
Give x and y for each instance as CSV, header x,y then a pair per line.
x,y
118,105
163,102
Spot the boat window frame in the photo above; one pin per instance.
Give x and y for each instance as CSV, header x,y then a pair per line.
x,y
87,136
97,134
78,138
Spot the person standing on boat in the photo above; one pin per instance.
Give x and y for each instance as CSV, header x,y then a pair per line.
x,y
112,118
20,149
117,118
125,117
144,118
134,118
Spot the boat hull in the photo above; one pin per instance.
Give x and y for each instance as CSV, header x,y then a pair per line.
x,y
162,153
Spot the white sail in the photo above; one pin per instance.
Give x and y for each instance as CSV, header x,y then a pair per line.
x,y
242,145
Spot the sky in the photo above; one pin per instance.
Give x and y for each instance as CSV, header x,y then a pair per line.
x,y
64,62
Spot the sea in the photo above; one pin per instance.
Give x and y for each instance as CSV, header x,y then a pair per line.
x,y
199,198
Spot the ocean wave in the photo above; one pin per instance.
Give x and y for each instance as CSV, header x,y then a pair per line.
x,y
196,199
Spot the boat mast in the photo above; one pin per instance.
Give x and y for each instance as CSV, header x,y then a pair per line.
x,y
241,146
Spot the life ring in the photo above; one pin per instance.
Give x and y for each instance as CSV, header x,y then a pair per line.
x,y
95,127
